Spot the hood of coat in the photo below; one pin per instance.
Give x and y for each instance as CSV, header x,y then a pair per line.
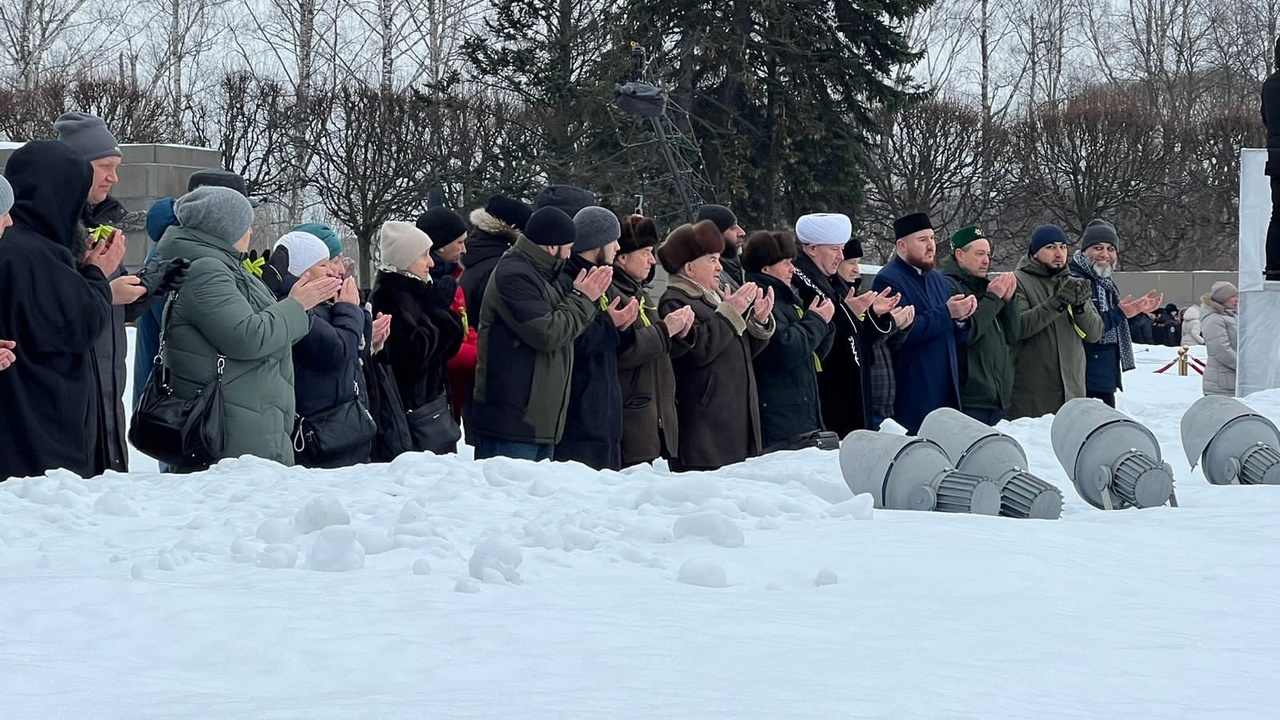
x,y
950,267
1032,266
51,184
489,238
1207,302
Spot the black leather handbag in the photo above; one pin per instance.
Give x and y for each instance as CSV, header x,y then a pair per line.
x,y
187,434
333,434
433,427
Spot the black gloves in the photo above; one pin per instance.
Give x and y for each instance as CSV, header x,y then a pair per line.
x,y
272,267
165,278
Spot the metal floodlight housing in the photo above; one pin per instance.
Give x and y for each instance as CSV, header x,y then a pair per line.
x,y
1236,445
641,99
1113,460
979,449
902,473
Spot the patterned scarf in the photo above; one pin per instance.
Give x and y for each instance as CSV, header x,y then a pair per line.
x,y
1106,296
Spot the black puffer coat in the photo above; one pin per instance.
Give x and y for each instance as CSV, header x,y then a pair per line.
x,y
425,333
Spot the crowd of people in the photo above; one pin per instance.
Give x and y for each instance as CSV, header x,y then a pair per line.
x,y
527,329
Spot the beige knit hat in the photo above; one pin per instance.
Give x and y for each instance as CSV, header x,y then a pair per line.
x,y
402,243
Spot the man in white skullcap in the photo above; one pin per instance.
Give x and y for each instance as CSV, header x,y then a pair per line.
x,y
862,323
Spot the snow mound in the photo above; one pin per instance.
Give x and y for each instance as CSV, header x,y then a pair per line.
x,y
703,573
336,549
715,527
496,560
322,512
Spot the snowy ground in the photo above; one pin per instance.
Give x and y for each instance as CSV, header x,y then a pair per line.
x,y
441,587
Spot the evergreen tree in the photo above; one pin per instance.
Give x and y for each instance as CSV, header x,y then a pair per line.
x,y
782,93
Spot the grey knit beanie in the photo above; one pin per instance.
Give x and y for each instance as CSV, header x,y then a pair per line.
x,y
218,211
6,196
1222,292
594,228
88,134
1097,232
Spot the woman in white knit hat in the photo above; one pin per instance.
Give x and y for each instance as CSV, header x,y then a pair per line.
x,y
334,428
425,333
1219,326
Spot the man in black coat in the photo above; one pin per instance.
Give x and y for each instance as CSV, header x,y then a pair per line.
x,y
494,229
89,136
1271,118
593,428
57,304
844,382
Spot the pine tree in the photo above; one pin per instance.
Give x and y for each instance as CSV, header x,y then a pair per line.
x,y
782,93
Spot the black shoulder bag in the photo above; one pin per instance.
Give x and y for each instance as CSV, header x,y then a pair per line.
x,y
186,434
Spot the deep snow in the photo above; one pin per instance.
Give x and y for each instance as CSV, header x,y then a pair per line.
x,y
442,587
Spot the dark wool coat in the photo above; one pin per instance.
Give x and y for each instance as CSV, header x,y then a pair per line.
x,y
55,311
716,394
650,423
593,428
787,368
845,378
425,333
926,369
488,240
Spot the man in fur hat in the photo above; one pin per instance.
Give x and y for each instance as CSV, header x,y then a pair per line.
x,y
650,426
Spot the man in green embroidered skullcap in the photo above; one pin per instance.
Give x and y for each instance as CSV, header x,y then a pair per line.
x,y
986,358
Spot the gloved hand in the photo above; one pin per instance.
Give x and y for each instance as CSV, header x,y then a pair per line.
x,y
275,270
164,278
1083,290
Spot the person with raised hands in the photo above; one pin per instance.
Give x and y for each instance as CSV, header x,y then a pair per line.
x,y
334,428
650,425
925,367
790,410
716,394
224,320
528,324
58,302
826,265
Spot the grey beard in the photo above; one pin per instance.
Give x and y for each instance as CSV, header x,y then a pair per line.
x,y
1104,271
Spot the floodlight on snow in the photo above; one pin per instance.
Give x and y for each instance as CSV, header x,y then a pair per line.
x,y
1113,460
979,449
1236,445
903,473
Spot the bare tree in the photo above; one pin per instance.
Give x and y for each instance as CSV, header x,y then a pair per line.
x,y
368,165
292,32
249,120
33,31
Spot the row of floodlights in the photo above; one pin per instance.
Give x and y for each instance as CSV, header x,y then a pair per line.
x,y
957,464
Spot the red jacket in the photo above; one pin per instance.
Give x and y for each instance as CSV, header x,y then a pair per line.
x,y
462,367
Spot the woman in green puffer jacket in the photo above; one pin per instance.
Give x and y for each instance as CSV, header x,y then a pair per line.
x,y
223,309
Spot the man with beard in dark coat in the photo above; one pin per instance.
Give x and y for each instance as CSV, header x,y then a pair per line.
x,y
90,137
494,229
726,222
861,321
593,428
57,304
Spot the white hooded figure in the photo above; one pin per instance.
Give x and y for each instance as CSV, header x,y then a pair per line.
x,y
1191,327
